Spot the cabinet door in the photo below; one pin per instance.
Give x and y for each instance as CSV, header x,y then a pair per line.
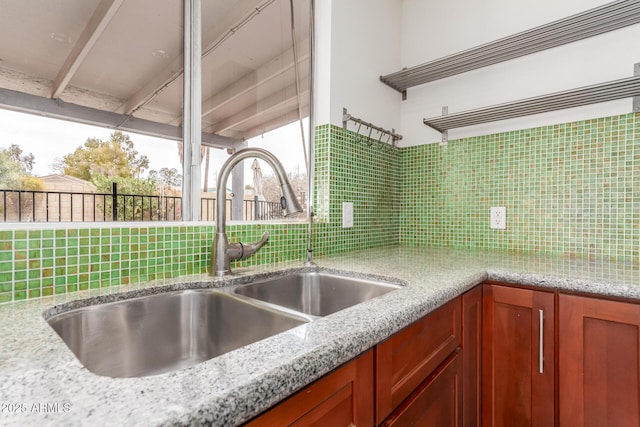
x,y
518,357
436,402
599,362
472,357
407,358
343,397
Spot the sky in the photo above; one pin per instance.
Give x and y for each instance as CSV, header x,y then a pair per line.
x,y
51,139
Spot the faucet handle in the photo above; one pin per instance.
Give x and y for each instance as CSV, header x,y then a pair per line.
x,y
245,250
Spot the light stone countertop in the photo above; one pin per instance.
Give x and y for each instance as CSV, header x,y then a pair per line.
x,y
37,368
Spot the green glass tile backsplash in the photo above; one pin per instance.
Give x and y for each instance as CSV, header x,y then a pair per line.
x,y
35,263
94,257
353,168
571,189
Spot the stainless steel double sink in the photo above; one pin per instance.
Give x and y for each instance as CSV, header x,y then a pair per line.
x,y
169,331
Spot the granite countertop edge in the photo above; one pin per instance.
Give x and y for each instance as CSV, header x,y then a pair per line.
x,y
37,368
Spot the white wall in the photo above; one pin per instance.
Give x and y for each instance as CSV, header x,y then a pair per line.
x,y
432,29
357,41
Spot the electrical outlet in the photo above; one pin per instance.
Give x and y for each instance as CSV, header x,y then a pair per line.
x,y
347,215
498,218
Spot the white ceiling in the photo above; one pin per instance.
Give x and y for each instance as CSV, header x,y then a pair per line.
x,y
125,57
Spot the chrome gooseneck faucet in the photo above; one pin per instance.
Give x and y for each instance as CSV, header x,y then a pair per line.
x,y
223,251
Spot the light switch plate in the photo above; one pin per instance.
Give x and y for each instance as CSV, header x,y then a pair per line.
x,y
498,217
347,215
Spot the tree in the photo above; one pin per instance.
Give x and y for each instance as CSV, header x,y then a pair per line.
x,y
167,177
129,208
126,185
9,172
15,175
26,161
272,191
15,170
113,158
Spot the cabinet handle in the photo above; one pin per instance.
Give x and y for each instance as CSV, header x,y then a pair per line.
x,y
541,343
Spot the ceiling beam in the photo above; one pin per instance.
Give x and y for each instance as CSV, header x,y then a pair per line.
x,y
101,17
282,120
58,109
241,13
264,106
252,80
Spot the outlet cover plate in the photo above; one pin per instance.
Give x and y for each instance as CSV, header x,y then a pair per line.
x,y
347,215
498,217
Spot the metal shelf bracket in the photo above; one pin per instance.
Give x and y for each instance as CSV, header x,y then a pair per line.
x,y
602,92
599,20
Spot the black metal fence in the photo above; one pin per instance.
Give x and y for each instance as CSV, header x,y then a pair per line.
x,y
63,206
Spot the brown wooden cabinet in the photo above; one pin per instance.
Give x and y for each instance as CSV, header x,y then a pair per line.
x,y
343,397
599,362
406,359
416,375
472,357
436,402
518,357
488,358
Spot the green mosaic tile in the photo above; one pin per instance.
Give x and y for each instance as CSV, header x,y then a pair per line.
x,y
5,283
356,169
570,190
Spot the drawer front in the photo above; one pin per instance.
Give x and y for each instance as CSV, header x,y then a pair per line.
x,y
407,358
341,398
436,402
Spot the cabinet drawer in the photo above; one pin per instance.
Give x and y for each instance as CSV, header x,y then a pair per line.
x,y
343,397
436,402
407,358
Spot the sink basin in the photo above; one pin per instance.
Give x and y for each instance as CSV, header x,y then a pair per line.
x,y
165,332
316,293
